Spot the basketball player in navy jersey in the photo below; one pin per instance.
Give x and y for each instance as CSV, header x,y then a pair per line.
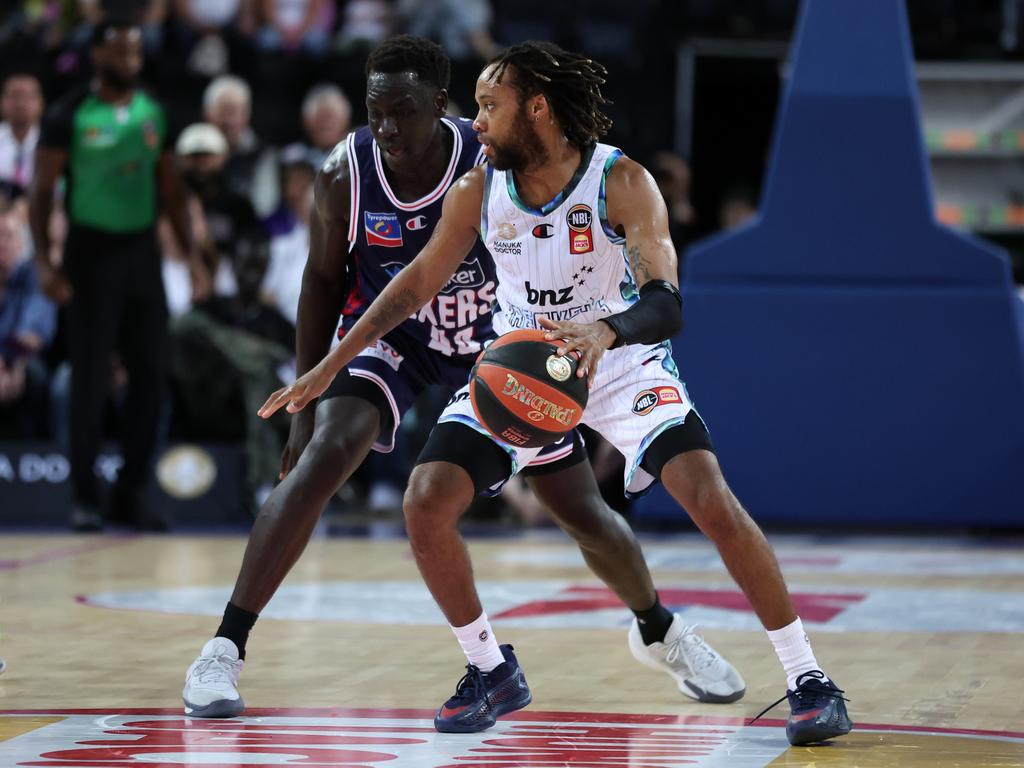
x,y
377,201
605,237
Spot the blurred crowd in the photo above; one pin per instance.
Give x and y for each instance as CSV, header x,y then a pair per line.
x,y
257,93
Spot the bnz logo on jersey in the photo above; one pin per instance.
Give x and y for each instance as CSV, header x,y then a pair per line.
x,y
382,229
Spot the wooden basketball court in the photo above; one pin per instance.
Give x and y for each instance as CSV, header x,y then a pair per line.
x,y
350,659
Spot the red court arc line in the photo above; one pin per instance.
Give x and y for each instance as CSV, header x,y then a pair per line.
x,y
521,715
64,553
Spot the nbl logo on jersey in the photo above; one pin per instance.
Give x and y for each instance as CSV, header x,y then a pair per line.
x,y
580,218
382,229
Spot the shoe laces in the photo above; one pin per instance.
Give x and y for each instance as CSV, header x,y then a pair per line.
x,y
695,652
472,686
811,692
217,670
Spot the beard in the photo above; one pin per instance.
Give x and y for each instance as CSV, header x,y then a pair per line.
x,y
117,80
522,151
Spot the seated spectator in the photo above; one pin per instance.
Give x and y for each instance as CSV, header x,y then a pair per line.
x,y
207,30
365,24
461,26
225,356
672,175
224,221
251,167
327,118
21,108
289,230
738,206
28,322
293,25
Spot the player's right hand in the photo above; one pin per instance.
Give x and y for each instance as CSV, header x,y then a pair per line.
x,y
299,435
300,393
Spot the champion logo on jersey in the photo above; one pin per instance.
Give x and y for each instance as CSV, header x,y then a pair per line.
x,y
415,223
382,229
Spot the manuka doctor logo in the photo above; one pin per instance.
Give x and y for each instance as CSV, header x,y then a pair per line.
x,y
541,406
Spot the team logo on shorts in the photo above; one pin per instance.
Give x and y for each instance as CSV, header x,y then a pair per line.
x,y
649,399
382,229
384,352
580,218
558,368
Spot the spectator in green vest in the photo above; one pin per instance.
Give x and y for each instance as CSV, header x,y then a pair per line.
x,y
109,143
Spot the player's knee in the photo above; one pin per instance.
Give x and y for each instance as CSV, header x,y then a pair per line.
x,y
589,519
333,453
717,512
431,501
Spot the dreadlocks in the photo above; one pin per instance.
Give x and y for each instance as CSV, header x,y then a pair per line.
x,y
570,82
405,53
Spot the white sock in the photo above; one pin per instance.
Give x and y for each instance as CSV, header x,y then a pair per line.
x,y
478,643
793,648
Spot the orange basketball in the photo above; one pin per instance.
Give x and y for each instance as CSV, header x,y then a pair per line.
x,y
524,393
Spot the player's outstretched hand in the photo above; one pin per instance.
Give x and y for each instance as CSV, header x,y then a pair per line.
x,y
299,393
588,341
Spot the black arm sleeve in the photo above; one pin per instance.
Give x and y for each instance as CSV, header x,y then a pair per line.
x,y
657,316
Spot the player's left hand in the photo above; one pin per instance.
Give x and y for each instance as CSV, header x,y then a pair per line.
x,y
588,341
299,393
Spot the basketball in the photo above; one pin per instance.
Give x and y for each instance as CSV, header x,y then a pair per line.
x,y
524,393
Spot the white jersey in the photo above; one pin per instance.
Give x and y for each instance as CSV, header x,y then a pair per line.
x,y
562,261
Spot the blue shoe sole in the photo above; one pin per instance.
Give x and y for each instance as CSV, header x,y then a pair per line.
x,y
815,733
453,726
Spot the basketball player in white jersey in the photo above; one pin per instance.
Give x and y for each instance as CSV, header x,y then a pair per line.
x,y
579,236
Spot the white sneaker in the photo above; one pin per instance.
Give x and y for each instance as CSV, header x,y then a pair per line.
x,y
211,683
698,669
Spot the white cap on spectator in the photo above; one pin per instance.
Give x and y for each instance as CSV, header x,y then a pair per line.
x,y
201,139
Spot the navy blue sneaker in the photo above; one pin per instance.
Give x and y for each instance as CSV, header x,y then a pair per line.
x,y
482,697
817,710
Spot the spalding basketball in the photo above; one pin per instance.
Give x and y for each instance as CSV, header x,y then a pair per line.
x,y
524,393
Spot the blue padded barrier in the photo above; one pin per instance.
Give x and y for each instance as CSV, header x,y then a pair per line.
x,y
856,362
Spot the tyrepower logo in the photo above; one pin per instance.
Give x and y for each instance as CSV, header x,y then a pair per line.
x,y
649,399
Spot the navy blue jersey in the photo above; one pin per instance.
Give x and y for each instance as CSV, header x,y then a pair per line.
x,y
385,234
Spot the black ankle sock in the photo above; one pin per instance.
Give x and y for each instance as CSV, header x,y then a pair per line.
x,y
235,626
654,622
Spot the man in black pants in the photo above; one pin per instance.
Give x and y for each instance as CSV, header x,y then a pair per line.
x,y
108,141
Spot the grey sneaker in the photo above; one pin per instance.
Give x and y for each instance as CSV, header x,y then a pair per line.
x,y
699,670
211,683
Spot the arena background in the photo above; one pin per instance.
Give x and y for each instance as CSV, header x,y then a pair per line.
x,y
696,90
846,193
